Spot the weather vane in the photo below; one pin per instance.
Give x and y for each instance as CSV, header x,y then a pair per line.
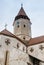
x,y
5,26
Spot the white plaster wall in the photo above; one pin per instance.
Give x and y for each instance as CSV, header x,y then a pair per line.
x,y
22,31
37,52
18,63
19,57
13,43
2,57
16,56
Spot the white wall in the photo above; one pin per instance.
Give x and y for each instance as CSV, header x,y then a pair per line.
x,y
37,52
22,31
17,56
13,52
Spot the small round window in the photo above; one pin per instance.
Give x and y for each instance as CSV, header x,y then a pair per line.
x,y
18,24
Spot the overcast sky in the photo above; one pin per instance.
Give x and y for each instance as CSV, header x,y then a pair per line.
x,y
33,8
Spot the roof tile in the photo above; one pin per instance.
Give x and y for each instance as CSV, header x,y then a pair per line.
x,y
21,12
36,40
7,33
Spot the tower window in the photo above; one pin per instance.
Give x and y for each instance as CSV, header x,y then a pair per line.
x,y
24,38
24,25
18,26
17,22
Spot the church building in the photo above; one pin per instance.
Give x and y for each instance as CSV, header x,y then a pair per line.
x,y
19,48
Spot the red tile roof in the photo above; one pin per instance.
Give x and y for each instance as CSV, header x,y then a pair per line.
x,y
21,12
36,40
32,41
7,33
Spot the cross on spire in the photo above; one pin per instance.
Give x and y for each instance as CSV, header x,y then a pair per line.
x,y
21,5
5,26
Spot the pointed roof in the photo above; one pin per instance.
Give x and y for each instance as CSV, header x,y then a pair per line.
x,y
6,32
21,12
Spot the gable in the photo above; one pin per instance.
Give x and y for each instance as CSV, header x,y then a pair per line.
x,y
7,33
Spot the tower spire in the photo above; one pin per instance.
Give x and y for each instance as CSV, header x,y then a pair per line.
x,y
22,30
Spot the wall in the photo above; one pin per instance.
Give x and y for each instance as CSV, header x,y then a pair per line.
x,y
22,31
37,51
15,55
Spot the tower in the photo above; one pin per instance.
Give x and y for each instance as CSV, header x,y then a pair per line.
x,y
22,25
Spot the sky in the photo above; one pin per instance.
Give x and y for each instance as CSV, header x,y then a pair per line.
x,y
33,8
